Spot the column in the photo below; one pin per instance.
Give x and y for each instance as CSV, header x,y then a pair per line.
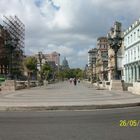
x,y
133,73
127,74
130,74
137,67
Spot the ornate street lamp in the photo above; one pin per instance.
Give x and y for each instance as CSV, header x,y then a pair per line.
x,y
115,42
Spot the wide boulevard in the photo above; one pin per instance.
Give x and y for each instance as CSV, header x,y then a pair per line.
x,y
65,94
70,125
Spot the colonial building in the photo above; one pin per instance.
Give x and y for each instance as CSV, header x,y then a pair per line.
x,y
132,53
54,56
102,59
92,55
53,59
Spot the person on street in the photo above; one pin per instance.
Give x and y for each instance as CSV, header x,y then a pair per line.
x,y
75,81
78,80
70,80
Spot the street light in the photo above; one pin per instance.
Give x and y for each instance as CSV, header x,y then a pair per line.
x,y
40,56
115,42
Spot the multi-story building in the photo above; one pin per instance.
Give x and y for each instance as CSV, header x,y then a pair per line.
x,y
53,59
132,53
92,55
4,60
54,56
102,59
12,36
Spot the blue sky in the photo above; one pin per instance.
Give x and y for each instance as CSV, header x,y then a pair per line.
x,y
70,27
39,3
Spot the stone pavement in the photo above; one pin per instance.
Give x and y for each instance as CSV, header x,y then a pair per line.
x,y
64,96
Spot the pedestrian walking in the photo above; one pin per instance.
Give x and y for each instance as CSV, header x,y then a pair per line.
x,y
75,81
70,80
78,80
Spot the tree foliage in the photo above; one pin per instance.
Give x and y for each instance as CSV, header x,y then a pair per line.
x,y
31,64
46,70
71,73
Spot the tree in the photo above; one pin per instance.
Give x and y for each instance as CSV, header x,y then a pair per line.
x,y
31,67
71,73
46,71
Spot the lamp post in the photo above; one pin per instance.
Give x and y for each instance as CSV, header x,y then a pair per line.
x,y
115,42
40,55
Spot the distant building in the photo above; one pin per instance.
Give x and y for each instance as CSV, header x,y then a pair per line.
x,y
102,58
92,55
54,56
65,64
132,53
53,59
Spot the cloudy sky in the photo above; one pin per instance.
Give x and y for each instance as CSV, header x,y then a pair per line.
x,y
70,27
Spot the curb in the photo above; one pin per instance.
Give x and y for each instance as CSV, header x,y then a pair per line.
x,y
82,107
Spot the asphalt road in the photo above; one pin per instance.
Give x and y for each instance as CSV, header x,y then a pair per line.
x,y
69,125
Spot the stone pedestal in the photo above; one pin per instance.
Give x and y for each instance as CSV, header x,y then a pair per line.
x,y
8,85
135,89
116,85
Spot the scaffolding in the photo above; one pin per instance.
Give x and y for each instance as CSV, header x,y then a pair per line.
x,y
16,29
14,41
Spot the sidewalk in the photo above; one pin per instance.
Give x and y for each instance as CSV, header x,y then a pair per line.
x,y
66,96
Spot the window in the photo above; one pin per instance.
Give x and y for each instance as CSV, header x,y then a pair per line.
x,y
131,38
128,40
138,51
129,54
138,33
134,36
134,53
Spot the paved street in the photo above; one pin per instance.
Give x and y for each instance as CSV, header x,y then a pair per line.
x,y
69,125
66,94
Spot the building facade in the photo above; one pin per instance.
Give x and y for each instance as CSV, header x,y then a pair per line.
x,y
132,53
4,60
92,55
54,56
12,36
65,64
102,59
